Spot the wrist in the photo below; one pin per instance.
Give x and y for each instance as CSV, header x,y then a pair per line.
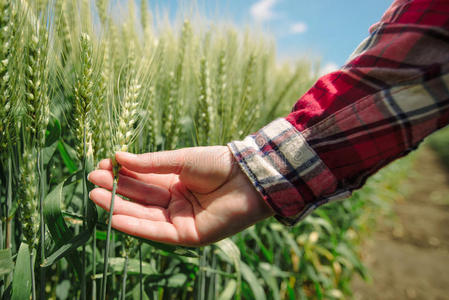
x,y
260,208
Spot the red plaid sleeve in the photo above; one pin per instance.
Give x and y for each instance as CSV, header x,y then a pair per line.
x,y
391,94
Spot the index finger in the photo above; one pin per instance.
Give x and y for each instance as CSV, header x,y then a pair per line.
x,y
164,162
162,180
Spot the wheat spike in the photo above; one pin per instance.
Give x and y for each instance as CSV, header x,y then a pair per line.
x,y
63,28
175,102
6,66
205,111
101,134
83,92
130,105
153,121
27,200
102,7
36,86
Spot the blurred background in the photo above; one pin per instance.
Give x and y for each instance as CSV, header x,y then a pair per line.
x,y
326,30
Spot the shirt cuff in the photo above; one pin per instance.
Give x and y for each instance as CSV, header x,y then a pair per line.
x,y
286,171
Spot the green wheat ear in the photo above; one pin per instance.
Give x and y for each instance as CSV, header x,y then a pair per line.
x,y
83,91
101,131
6,74
27,197
175,103
129,106
145,20
152,124
36,97
61,10
102,8
205,110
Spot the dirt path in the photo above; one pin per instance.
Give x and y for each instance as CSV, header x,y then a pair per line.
x,y
408,257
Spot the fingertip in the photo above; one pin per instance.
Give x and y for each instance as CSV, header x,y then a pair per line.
x,y
102,198
120,156
128,160
101,178
105,164
95,194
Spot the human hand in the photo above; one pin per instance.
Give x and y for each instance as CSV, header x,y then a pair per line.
x,y
191,196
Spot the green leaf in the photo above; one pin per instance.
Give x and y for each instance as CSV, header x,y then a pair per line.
x,y
66,158
273,270
53,132
230,250
135,294
253,281
229,290
47,153
69,246
267,253
101,235
52,136
6,263
271,282
21,284
269,273
172,281
291,242
176,250
116,264
59,230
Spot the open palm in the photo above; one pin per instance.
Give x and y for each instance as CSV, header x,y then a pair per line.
x,y
192,196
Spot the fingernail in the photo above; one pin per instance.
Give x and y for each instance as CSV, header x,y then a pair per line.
x,y
89,194
88,175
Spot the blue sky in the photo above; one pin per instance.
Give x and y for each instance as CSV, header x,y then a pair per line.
x,y
328,30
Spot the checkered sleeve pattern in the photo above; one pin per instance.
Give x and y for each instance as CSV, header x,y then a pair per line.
x,y
391,94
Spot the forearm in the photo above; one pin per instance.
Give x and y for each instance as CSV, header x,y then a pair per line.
x,y
390,95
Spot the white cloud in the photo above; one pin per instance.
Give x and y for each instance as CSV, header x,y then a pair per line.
x,y
328,68
263,10
298,28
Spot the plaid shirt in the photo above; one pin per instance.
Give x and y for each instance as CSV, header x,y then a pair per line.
x,y
391,94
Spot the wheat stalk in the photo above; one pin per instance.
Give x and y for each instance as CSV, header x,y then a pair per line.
x,y
84,92
33,105
129,123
